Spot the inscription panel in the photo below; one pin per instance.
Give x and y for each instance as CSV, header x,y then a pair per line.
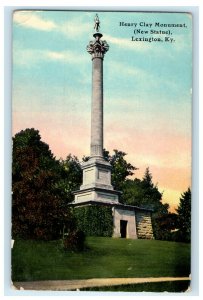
x,y
102,196
89,176
103,176
84,197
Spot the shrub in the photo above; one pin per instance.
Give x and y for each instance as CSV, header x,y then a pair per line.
x,y
74,241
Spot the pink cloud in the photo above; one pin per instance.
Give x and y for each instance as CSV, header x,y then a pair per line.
x,y
63,136
167,154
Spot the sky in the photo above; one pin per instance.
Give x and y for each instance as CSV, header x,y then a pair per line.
x,y
147,88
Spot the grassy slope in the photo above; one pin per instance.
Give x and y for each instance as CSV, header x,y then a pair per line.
x,y
105,257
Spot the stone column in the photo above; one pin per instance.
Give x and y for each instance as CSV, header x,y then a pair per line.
x,y
97,108
97,49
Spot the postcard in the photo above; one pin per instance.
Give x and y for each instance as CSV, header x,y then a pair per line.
x,y
101,166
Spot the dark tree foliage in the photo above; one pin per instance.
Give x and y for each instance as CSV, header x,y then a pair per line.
x,y
184,217
38,209
147,179
142,193
132,192
168,221
70,177
164,225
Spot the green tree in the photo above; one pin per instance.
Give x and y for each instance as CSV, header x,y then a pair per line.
x,y
184,216
143,193
152,197
132,192
70,177
37,206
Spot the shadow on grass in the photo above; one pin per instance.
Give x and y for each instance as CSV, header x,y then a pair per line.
x,y
171,287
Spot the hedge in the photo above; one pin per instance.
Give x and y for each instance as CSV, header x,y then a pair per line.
x,y
94,220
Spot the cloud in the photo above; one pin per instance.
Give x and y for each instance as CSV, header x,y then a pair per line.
x,y
64,56
30,57
59,127
55,55
33,20
116,68
36,20
183,42
72,28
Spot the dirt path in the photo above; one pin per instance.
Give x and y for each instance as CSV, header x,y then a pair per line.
x,y
67,285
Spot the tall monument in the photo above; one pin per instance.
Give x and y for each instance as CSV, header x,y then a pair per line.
x,y
96,184
96,189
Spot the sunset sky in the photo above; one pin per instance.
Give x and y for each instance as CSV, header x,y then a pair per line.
x,y
147,89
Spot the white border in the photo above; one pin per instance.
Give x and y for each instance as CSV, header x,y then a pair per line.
x,y
5,155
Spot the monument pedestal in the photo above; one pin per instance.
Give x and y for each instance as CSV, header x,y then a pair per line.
x,y
96,182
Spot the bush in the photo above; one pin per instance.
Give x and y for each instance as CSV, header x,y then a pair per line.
x,y
74,241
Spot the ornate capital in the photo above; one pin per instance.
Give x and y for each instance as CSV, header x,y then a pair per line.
x,y
97,48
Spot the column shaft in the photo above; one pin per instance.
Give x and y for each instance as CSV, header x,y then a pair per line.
x,y
97,108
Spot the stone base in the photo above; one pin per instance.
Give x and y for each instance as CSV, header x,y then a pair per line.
x,y
96,171
96,182
96,194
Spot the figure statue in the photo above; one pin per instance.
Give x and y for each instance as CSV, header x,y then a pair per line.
x,y
97,23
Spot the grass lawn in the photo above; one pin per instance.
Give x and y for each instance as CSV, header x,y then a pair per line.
x,y
103,258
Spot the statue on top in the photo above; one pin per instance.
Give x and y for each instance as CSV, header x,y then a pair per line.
x,y
97,23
